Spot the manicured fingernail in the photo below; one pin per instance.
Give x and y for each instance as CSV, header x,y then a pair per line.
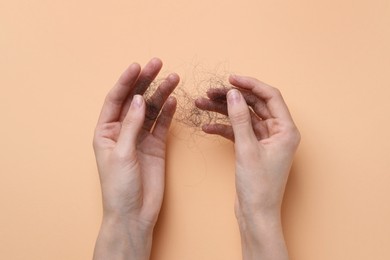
x,y
233,96
137,101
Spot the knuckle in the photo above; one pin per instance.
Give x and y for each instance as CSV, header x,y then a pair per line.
x,y
275,92
130,120
96,138
240,117
297,137
293,136
95,143
121,156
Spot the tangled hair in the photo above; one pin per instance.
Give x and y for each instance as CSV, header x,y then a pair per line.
x,y
211,85
190,115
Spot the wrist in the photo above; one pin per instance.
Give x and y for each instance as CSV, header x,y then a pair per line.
x,y
123,238
262,236
133,223
259,223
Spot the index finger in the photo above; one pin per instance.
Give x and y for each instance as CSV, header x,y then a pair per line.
x,y
115,98
272,97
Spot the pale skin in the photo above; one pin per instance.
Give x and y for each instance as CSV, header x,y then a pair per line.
x,y
130,145
265,140
130,148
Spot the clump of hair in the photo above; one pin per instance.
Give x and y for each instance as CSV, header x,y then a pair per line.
x,y
212,85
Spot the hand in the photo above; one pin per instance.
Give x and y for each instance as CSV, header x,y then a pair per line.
x,y
130,145
265,140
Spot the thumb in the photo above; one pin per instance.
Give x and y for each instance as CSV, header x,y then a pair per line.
x,y
132,124
240,119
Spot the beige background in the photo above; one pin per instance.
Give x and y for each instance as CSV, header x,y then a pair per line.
x,y
331,59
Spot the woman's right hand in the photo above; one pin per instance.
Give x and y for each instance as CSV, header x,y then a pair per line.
x,y
265,140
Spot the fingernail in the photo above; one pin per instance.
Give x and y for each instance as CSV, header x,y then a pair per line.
x,y
170,99
233,96
156,60
137,101
172,76
233,77
133,65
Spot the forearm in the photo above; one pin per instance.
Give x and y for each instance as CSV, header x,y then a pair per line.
x,y
262,238
119,239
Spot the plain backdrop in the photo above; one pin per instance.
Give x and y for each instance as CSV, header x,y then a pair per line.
x,y
330,59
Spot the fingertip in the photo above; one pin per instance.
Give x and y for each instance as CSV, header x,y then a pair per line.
x,y
233,78
239,80
134,66
174,78
156,60
137,101
172,100
205,128
243,81
155,64
130,74
199,102
233,97
219,129
210,93
209,128
217,94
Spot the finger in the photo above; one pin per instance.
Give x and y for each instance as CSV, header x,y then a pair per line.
x,y
271,96
211,105
240,119
115,98
157,100
132,125
165,118
258,105
148,74
146,77
217,94
225,131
